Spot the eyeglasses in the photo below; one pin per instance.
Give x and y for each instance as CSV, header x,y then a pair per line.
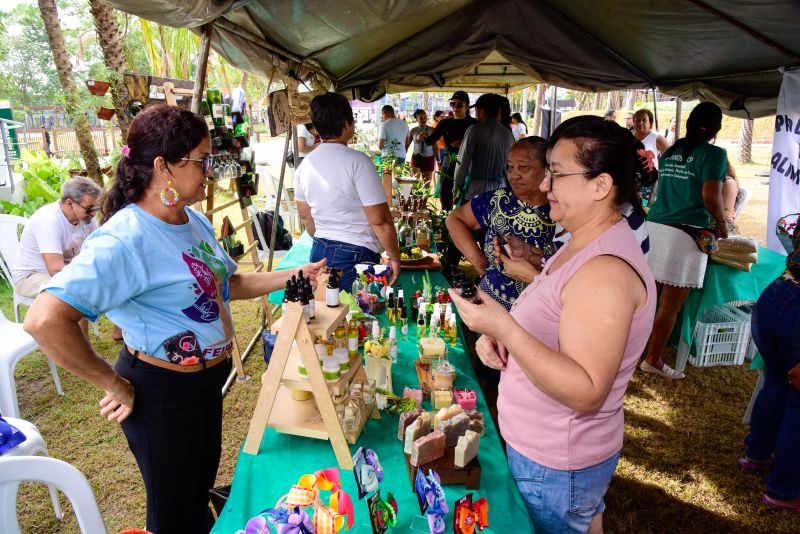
x,y
457,104
88,211
205,163
549,175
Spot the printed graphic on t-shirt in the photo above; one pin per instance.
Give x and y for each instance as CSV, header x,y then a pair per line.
x,y
211,287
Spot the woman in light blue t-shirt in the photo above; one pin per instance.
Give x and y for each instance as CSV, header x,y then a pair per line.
x,y
156,269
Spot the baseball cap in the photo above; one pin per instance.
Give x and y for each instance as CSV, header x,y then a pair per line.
x,y
460,95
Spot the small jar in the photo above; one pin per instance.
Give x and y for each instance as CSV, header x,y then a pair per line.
x,y
443,374
330,369
321,350
343,357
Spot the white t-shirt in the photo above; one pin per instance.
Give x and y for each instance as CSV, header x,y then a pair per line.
x,y
518,130
303,133
650,145
394,129
337,182
420,147
49,232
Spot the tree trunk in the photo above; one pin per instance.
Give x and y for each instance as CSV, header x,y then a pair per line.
x,y
596,101
110,39
745,152
630,99
541,90
55,37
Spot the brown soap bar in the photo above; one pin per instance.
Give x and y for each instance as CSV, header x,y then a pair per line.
x,y
446,413
406,418
420,427
454,428
475,421
427,449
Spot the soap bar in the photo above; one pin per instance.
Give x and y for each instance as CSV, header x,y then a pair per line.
x,y
454,428
466,448
427,449
431,348
413,393
406,418
475,421
420,427
466,398
446,413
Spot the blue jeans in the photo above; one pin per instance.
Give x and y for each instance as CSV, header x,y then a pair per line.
x,y
775,426
561,501
344,257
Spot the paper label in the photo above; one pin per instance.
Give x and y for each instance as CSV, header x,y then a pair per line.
x,y
332,297
229,122
209,122
217,111
352,344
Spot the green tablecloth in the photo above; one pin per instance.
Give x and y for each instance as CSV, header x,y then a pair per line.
x,y
259,481
725,284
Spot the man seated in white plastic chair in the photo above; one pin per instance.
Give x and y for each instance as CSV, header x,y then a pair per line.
x,y
54,236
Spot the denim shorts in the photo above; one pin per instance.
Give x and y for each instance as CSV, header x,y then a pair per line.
x,y
561,501
343,256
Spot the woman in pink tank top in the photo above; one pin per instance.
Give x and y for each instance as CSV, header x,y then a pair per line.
x,y
571,342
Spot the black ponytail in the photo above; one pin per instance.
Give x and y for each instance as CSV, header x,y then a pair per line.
x,y
157,131
703,124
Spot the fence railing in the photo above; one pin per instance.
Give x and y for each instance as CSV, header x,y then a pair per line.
x,y
63,142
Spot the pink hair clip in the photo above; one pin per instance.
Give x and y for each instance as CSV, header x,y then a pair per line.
x,y
126,151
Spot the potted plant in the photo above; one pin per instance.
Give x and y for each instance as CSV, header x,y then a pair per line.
x,y
97,87
233,246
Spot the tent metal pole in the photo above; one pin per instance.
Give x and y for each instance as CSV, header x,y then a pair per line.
x,y
202,67
655,109
274,232
677,119
295,148
553,108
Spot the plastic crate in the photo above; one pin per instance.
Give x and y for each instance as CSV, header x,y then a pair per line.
x,y
720,336
747,306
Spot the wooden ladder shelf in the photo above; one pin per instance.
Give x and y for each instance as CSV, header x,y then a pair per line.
x,y
316,417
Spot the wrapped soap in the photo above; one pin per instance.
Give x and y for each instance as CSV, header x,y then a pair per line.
x,y
427,449
406,418
420,427
446,413
454,428
475,421
431,348
413,393
443,374
330,369
466,448
343,357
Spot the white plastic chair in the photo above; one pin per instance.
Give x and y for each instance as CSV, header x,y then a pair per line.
x,y
9,250
50,471
16,344
33,445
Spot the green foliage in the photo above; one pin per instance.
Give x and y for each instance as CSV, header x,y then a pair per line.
x,y
43,179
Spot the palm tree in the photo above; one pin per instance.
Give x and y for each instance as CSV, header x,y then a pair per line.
x,y
537,111
55,37
745,152
110,38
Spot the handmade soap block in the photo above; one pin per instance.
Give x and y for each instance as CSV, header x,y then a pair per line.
x,y
475,421
466,448
427,449
466,398
446,413
441,398
413,393
406,418
420,427
454,428
431,348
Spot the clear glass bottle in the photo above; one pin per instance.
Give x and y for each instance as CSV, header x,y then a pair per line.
x,y
393,343
406,234
423,233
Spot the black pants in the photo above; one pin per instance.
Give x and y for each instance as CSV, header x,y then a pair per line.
x,y
446,185
175,434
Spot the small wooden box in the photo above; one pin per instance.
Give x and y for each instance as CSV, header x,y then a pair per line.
x,y
469,476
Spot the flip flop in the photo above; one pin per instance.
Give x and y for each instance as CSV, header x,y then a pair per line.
x,y
754,465
790,507
666,371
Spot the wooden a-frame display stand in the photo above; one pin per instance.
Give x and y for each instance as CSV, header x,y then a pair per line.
x,y
316,417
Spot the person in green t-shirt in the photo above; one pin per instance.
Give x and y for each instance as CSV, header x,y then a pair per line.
x,y
689,197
